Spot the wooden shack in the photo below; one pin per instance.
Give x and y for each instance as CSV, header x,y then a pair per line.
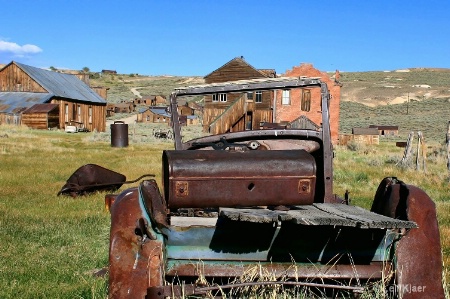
x,y
367,136
41,116
154,115
152,100
186,110
238,111
386,130
124,107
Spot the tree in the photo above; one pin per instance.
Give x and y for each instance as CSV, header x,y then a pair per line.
x,y
85,69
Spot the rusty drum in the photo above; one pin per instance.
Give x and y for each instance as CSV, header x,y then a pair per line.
x,y
119,134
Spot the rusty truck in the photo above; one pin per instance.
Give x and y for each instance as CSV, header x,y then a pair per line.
x,y
265,198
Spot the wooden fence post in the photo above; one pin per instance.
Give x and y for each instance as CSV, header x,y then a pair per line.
x,y
421,146
408,149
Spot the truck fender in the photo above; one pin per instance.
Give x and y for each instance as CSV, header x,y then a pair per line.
x,y
418,255
134,258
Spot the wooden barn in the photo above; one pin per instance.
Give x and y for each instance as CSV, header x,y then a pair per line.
x,y
22,86
41,116
238,111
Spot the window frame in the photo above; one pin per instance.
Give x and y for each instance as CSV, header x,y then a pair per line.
x,y
286,97
258,97
305,103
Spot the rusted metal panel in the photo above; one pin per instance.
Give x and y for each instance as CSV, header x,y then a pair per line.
x,y
236,179
187,268
178,291
418,253
135,260
90,178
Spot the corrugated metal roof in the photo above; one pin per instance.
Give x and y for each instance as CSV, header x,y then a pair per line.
x,y
14,102
40,108
160,111
62,85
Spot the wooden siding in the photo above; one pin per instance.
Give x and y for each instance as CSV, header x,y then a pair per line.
x,y
236,69
185,110
78,111
42,120
12,78
230,116
10,119
238,120
344,139
150,117
101,91
240,116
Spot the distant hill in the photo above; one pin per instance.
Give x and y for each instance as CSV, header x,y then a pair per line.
x,y
394,87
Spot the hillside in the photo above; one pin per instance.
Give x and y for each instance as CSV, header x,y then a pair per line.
x,y
382,88
413,99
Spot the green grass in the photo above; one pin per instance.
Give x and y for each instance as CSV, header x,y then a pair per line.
x,y
50,246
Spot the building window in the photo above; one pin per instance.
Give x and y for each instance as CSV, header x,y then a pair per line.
x,y
219,97
66,112
250,95
79,113
90,114
258,97
286,98
306,100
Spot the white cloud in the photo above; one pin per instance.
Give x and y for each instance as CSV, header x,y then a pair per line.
x,y
18,50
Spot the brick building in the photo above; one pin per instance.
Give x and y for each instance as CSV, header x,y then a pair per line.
x,y
292,104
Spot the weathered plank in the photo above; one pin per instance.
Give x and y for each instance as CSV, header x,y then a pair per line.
x,y
317,214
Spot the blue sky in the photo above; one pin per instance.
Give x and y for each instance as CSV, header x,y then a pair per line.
x,y
196,37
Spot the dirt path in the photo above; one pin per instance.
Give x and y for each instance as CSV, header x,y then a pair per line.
x,y
135,91
128,120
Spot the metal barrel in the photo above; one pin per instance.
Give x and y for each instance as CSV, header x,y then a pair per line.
x,y
119,134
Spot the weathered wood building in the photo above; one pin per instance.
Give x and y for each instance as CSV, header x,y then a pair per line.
x,y
386,130
41,116
367,136
297,108
22,86
152,100
239,111
158,114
